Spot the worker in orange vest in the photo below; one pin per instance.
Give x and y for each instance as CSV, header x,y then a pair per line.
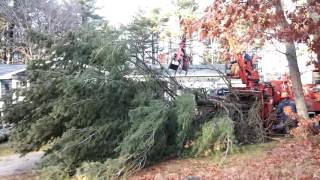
x,y
285,108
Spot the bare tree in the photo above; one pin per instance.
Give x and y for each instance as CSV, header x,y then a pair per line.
x,y
48,18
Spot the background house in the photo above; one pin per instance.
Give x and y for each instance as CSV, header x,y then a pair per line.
x,y
11,77
208,76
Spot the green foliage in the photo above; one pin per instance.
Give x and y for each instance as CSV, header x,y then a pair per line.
x,y
6,149
217,134
143,36
88,10
185,107
150,139
42,40
147,130
54,172
94,120
99,171
186,8
83,108
187,4
73,101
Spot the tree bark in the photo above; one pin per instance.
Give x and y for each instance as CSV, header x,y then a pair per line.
x,y
293,67
4,56
296,80
152,48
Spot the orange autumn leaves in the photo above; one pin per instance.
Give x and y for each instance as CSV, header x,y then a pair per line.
x,y
253,21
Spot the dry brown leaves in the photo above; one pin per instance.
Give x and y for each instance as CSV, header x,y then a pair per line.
x,y
23,176
178,169
234,16
306,127
293,159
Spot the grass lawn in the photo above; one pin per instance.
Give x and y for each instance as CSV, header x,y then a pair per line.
x,y
6,149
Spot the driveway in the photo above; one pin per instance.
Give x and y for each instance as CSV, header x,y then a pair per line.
x,y
14,164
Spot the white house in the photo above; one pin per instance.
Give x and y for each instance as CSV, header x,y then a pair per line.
x,y
209,76
11,77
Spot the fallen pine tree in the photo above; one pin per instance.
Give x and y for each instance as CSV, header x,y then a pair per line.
x,y
99,123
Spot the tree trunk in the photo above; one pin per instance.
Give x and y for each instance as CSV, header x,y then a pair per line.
x,y
191,51
4,56
296,80
170,51
157,46
293,67
152,48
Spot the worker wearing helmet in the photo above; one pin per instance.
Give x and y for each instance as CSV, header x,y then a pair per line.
x,y
284,109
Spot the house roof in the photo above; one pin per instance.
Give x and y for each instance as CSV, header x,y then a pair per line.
x,y
209,70
8,70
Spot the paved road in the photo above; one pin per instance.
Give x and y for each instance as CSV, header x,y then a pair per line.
x,y
14,164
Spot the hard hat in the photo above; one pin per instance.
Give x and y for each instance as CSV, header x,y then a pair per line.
x,y
284,95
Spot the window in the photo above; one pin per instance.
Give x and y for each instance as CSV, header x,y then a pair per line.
x,y
6,88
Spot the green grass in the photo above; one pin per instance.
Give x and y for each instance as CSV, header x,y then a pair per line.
x,y
242,153
6,149
245,152
254,149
